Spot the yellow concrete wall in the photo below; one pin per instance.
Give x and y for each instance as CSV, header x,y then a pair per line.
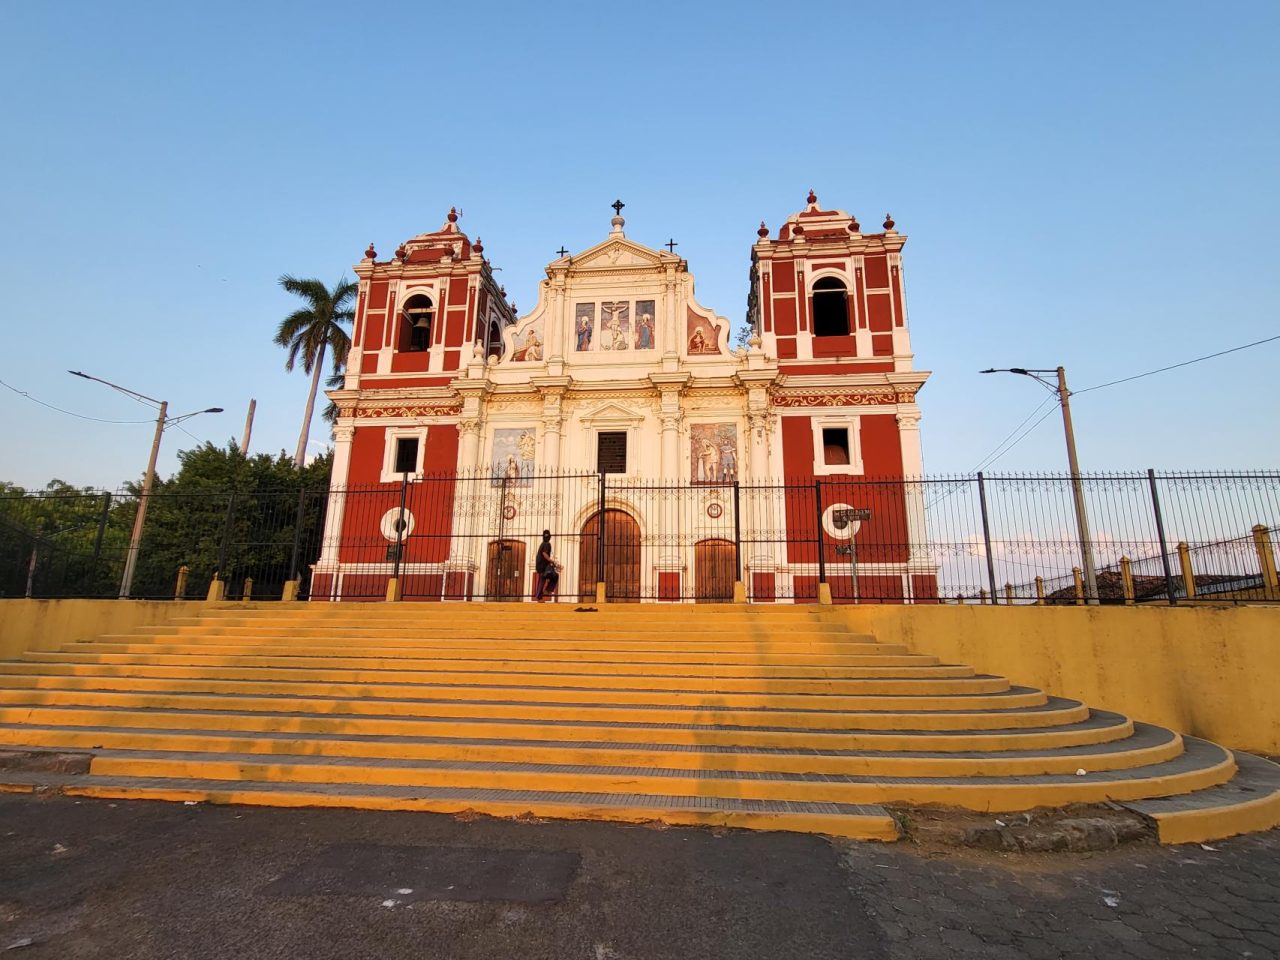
x,y
1213,672
48,624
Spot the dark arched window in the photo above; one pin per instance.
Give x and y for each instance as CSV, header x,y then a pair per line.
x,y
419,315
830,308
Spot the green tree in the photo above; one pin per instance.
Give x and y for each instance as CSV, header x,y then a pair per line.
x,y
311,330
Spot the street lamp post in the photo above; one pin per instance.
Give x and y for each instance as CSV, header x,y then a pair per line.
x,y
1073,463
162,421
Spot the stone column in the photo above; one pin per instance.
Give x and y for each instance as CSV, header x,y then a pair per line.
x,y
342,437
913,474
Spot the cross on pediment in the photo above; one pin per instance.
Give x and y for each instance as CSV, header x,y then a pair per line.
x,y
562,251
671,245
617,207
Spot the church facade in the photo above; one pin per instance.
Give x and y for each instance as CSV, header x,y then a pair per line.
x,y
669,464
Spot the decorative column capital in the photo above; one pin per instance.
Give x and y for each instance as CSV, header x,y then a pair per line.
x,y
342,434
469,426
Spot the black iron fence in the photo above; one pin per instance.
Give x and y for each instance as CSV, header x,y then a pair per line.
x,y
1154,537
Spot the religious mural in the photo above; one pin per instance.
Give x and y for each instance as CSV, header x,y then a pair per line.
x,y
530,347
644,324
514,450
713,454
701,334
615,325
584,323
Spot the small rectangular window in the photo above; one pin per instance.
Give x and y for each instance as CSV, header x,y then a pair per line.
x,y
835,446
406,455
611,452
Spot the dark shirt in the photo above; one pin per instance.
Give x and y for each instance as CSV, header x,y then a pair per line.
x,y
544,558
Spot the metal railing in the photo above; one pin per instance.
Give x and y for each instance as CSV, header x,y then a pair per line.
x,y
1157,537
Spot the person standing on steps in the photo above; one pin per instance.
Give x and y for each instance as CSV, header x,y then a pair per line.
x,y
547,568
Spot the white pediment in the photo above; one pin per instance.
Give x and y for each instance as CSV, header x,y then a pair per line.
x,y
614,253
612,414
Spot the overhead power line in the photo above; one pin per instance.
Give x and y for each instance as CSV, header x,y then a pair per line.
x,y
69,413
1175,366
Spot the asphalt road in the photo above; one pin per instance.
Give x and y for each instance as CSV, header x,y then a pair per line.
x,y
151,880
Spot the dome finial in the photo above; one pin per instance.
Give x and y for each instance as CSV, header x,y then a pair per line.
x,y
370,253
888,222
813,199
763,231
453,215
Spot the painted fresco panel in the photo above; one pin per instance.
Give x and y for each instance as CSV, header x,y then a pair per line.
x,y
645,323
615,325
701,334
713,453
514,450
529,346
584,323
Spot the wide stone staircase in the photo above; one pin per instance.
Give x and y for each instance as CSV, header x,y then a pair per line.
x,y
763,717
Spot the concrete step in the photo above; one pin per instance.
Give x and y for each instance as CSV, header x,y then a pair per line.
x,y
853,681
677,664
855,822
678,631
1146,745
924,708
1031,727
1248,802
1201,765
553,689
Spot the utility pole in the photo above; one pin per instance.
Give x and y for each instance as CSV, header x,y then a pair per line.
x,y
248,428
1073,464
1077,490
135,539
162,421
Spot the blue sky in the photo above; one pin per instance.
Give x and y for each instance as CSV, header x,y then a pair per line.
x,y
1088,184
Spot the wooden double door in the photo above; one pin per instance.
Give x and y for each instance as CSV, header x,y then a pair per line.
x,y
504,570
715,568
621,557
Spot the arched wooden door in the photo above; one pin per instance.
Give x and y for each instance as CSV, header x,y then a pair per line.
x,y
714,570
621,557
504,570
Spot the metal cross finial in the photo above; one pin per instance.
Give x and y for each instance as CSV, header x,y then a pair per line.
x,y
562,251
671,245
617,207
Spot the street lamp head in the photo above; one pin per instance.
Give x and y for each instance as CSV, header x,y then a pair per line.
x,y
1020,370
212,410
992,370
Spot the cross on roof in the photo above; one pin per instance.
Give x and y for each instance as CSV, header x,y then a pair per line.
x,y
562,251
617,207
671,245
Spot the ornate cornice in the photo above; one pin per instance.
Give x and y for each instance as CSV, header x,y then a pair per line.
x,y
862,397
403,409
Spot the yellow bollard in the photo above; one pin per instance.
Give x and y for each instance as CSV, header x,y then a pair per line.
x,y
1075,575
1039,591
1266,561
1188,575
1126,580
1008,594
393,590
217,589
248,590
290,592
180,588
982,595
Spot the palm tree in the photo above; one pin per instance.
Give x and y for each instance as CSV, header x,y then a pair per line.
x,y
310,330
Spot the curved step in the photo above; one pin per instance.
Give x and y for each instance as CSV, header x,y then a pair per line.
x,y
556,690
1146,745
658,659
856,822
853,680
1248,802
1005,730
407,660
1200,766
928,709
